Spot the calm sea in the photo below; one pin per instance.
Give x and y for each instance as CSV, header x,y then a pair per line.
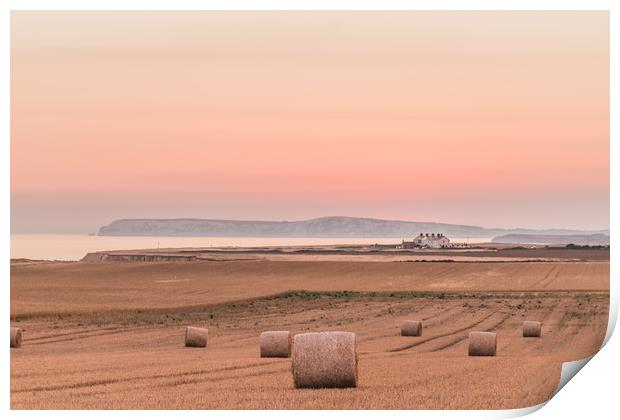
x,y
74,247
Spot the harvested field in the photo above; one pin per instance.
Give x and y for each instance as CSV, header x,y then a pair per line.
x,y
130,360
111,335
86,287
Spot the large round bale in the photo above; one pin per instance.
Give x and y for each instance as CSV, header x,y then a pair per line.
x,y
531,328
275,344
16,337
325,360
196,337
411,328
482,343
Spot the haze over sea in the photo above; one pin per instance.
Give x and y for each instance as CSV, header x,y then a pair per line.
x,y
74,247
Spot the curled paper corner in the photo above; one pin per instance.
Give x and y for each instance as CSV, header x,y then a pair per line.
x,y
570,369
520,412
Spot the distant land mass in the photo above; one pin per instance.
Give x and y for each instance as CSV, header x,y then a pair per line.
x,y
592,240
323,227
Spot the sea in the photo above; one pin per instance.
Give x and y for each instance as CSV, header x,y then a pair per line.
x,y
74,247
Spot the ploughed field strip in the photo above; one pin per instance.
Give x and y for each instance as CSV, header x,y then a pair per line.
x,y
136,358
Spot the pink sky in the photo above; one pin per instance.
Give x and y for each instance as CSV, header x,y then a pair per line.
x,y
493,119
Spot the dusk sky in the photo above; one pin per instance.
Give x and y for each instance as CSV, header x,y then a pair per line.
x,y
497,119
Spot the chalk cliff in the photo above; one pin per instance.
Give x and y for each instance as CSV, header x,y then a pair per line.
x,y
324,227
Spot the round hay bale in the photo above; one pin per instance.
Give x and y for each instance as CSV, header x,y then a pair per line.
x,y
196,337
411,328
16,337
482,343
325,360
531,328
275,344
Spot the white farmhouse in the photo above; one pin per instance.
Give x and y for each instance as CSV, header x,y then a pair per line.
x,y
428,240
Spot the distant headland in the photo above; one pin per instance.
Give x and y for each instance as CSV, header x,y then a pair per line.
x,y
323,227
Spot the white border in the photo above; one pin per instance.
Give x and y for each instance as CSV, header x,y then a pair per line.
x,y
592,393
311,5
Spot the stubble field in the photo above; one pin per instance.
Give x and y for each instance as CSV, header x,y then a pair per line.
x,y
110,335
